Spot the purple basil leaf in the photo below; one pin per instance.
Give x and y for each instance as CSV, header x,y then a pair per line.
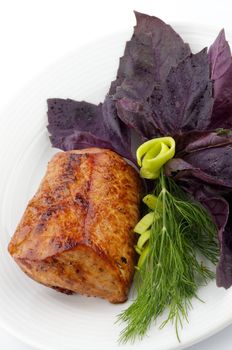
x,y
219,210
188,138
197,140
138,117
77,140
183,172
222,109
216,205
184,101
224,268
221,72
137,62
153,49
207,159
215,163
167,46
219,57
118,133
77,125
215,174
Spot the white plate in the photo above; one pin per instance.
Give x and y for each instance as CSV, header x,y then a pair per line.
x,y
38,315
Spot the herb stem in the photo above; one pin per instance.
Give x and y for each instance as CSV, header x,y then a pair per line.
x,y
163,230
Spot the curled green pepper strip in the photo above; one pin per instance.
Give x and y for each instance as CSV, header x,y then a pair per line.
x,y
139,251
153,154
142,257
144,224
144,237
151,201
143,229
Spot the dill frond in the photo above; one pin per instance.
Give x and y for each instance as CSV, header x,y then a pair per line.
x,y
173,271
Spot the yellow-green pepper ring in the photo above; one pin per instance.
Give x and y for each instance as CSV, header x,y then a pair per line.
x,y
144,237
142,257
153,154
151,201
145,223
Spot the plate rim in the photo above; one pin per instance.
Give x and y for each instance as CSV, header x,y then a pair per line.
x,y
189,27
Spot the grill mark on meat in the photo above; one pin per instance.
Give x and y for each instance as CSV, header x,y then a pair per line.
x,y
74,160
66,243
70,243
88,208
45,217
80,200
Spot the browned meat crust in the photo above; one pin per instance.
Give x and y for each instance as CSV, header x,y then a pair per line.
x,y
76,232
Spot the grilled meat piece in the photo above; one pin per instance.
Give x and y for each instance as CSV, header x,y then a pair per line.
x,y
76,234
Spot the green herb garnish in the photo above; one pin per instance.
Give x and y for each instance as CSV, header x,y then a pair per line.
x,y
181,235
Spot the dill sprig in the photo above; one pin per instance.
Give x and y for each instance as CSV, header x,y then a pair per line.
x,y
173,269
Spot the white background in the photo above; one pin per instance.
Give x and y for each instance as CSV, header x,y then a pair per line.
x,y
33,34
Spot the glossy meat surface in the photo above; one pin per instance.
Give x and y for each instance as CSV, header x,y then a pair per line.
x,y
76,234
